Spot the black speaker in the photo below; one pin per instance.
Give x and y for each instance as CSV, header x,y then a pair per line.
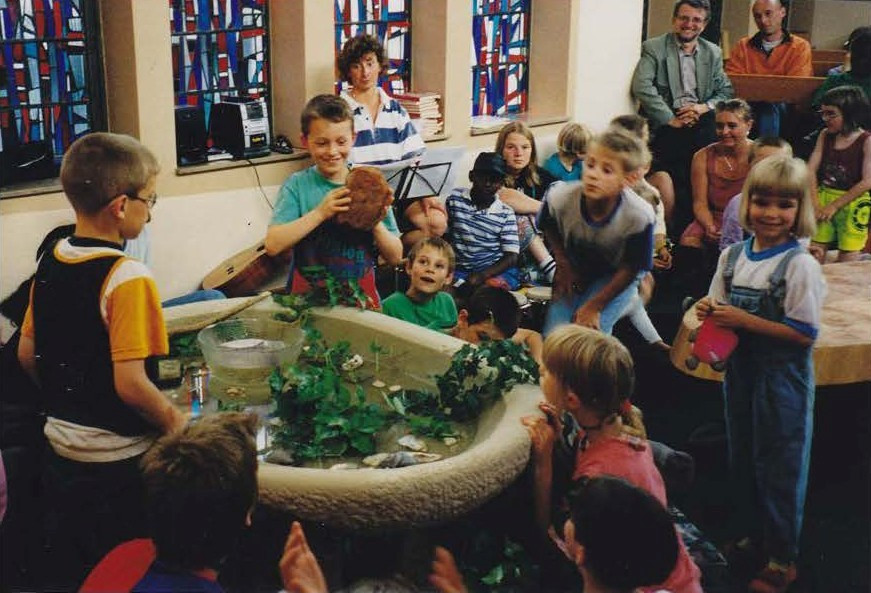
x,y
30,161
190,135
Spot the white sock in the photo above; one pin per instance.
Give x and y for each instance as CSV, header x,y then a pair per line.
x,y
547,267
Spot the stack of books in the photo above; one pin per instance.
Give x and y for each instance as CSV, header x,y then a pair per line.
x,y
425,111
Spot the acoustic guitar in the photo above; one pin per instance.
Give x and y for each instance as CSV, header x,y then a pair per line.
x,y
244,273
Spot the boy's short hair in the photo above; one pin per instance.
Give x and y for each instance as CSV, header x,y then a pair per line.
x,y
780,175
200,485
329,107
852,102
354,50
491,303
628,147
99,167
632,123
573,139
596,367
703,4
437,243
628,536
769,142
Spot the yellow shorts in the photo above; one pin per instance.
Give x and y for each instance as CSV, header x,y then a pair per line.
x,y
848,228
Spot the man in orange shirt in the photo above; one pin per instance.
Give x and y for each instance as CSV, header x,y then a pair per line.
x,y
773,50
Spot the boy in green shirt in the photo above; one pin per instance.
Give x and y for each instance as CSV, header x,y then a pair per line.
x,y
430,266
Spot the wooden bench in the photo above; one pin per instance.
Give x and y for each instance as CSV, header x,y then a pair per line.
x,y
828,55
776,89
822,67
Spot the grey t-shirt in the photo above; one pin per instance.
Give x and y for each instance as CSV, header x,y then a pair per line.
x,y
598,248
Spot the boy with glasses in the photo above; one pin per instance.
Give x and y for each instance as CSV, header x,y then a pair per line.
x,y
93,318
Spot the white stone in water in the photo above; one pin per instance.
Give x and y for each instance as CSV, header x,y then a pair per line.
x,y
410,441
344,466
394,388
450,441
375,460
378,384
354,362
244,343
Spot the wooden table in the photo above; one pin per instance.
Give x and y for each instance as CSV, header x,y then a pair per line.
x,y
842,352
776,89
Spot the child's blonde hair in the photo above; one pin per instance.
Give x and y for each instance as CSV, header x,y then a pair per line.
x,y
438,244
632,152
596,367
780,175
99,167
573,139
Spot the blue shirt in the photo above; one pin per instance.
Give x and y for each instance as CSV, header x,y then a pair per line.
x,y
480,237
347,254
555,167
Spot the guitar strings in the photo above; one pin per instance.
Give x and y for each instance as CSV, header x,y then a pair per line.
x,y
259,184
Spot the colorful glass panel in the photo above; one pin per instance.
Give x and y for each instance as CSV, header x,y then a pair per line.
x,y
219,48
389,21
500,56
45,61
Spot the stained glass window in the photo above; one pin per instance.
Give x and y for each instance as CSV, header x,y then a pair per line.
x,y
219,48
49,83
389,21
500,56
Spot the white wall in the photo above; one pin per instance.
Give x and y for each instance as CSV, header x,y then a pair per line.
x,y
190,234
609,44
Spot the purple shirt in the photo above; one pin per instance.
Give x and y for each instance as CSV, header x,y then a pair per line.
x,y
731,231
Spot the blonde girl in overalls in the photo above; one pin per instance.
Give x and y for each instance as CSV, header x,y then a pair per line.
x,y
769,289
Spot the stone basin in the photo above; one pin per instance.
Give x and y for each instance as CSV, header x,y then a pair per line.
x,y
400,498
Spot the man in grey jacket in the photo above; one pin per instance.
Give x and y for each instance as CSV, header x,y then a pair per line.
x,y
678,81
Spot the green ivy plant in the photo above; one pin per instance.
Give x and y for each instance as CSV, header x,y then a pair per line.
x,y
322,417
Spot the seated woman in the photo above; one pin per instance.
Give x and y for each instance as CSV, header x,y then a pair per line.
x,y
718,172
524,189
857,72
384,132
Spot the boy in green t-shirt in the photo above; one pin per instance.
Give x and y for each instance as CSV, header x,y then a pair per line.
x,y
430,266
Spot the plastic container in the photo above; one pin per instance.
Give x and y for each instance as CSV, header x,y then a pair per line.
x,y
712,345
241,354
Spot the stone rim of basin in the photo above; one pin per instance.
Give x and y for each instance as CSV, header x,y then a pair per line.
x,y
424,494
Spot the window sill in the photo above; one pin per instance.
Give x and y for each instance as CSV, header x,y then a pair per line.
x,y
492,124
51,185
298,154
436,138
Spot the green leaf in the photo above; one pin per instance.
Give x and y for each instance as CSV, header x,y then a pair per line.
x,y
495,576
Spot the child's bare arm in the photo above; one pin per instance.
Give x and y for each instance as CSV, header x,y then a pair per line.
x,y
813,164
699,180
854,192
519,201
27,357
137,391
388,244
588,313
532,340
281,237
505,262
737,318
542,433
565,276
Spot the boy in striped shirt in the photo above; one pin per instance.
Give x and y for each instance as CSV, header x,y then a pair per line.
x,y
483,230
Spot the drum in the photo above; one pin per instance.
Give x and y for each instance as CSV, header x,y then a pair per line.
x,y
539,298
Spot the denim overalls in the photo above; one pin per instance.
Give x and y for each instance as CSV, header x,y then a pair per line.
x,y
769,392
